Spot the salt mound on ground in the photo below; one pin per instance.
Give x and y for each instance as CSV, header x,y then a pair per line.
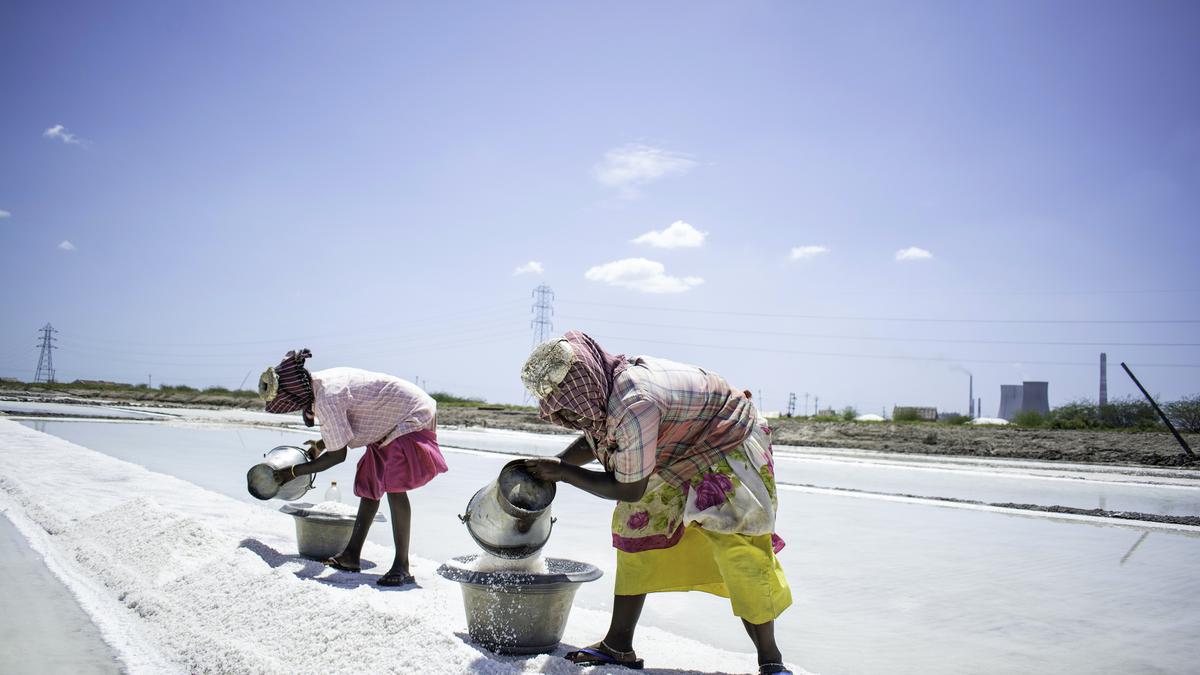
x,y
999,421
868,418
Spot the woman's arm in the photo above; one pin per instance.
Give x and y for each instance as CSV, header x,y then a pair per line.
x,y
328,459
578,453
600,483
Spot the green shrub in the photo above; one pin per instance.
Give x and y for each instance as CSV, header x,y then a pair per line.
x,y
451,399
954,419
1129,413
1030,418
1079,414
1185,413
849,413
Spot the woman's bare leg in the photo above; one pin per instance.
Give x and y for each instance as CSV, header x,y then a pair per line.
x,y
401,525
763,637
351,557
627,609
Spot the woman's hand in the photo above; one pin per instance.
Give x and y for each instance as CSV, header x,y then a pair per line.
x,y
315,448
548,469
284,475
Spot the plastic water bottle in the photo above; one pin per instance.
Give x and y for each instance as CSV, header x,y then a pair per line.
x,y
333,494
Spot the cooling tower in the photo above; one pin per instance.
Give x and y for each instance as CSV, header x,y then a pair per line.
x,y
1035,396
1010,401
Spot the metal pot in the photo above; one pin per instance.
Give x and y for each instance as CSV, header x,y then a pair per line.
x,y
519,612
260,479
321,536
510,517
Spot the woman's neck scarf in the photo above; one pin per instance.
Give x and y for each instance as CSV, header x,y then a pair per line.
x,y
288,386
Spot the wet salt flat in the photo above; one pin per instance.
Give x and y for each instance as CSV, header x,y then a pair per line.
x,y
880,586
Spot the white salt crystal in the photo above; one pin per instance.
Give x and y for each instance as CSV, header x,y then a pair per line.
x,y
334,509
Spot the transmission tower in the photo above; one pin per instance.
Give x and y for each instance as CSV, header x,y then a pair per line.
x,y
543,309
45,368
791,404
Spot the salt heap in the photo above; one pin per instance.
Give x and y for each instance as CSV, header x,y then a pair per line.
x,y
333,509
486,562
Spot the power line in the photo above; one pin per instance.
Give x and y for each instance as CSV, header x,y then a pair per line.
x,y
887,357
888,339
898,319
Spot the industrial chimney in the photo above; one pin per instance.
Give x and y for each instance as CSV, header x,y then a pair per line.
x,y
971,396
1103,379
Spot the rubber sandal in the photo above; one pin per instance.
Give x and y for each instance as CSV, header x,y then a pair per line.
x,y
773,669
391,579
333,562
595,657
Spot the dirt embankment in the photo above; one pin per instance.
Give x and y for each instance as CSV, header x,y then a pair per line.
x,y
1124,447
1108,447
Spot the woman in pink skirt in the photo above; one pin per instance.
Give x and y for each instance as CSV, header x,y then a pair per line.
x,y
393,418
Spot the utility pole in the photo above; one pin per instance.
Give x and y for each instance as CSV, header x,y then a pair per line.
x,y
806,404
45,367
791,409
150,381
816,405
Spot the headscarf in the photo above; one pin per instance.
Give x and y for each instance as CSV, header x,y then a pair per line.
x,y
582,387
288,386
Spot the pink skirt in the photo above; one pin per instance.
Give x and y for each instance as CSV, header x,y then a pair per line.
x,y
406,463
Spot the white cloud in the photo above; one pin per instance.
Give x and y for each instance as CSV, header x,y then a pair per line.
x,y
60,132
807,252
4,214
67,246
677,235
531,267
913,253
629,166
642,275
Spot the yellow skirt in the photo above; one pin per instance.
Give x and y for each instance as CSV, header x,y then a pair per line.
x,y
735,566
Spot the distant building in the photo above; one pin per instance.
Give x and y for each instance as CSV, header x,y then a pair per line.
x,y
1010,401
903,412
1025,397
828,412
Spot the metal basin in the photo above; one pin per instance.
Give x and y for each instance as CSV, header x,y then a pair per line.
x,y
519,612
321,536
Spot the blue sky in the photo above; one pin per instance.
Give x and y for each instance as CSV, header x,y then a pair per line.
x,y
235,179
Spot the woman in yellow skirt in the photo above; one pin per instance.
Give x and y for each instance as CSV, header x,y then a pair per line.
x,y
688,461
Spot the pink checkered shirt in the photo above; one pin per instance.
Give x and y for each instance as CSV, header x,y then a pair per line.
x,y
673,419
357,407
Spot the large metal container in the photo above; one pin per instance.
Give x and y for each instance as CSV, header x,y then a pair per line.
x,y
321,535
518,612
510,517
260,479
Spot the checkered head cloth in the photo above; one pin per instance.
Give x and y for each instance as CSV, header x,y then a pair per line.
x,y
288,386
573,378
